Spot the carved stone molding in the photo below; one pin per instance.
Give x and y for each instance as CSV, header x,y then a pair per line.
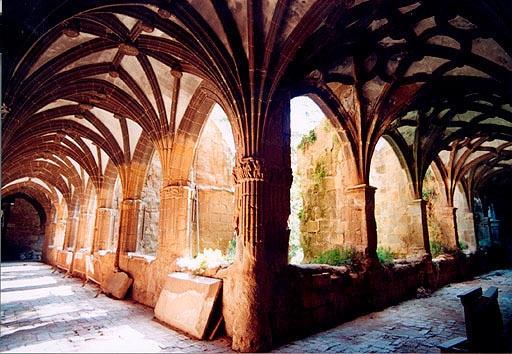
x,y
249,169
174,192
254,169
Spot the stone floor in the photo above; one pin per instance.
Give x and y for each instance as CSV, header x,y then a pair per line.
x,y
44,312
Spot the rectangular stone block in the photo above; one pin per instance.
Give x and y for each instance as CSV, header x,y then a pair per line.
x,y
116,284
186,302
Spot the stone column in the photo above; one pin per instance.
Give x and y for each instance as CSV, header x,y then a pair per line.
x,y
448,219
71,232
60,233
418,241
129,225
84,229
263,204
102,228
173,223
362,228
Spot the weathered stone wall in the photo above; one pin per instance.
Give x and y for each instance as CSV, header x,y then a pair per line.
x,y
24,234
215,219
435,203
310,298
147,242
465,222
393,199
327,205
322,188
213,176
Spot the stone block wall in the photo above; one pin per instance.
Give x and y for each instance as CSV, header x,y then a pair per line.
x,y
215,219
394,212
311,298
215,193
147,241
329,209
465,220
24,234
322,188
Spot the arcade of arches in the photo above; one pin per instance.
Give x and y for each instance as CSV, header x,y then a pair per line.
x,y
112,158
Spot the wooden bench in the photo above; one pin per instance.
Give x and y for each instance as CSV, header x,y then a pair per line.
x,y
484,324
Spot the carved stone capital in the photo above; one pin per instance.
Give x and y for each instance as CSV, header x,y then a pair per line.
x,y
249,169
254,169
174,192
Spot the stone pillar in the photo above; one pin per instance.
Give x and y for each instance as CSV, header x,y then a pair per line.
x,y
84,230
103,228
60,232
263,194
362,228
49,239
448,219
418,241
175,203
71,232
129,225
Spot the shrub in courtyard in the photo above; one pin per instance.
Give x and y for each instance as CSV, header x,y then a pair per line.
x,y
339,256
386,256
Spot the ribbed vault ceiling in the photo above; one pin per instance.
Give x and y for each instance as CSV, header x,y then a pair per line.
x,y
97,85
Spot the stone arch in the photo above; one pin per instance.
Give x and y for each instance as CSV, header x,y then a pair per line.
x,y
147,241
187,135
212,209
442,226
394,207
25,240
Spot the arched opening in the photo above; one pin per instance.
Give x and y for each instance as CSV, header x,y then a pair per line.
x,y
211,213
393,202
113,234
147,240
315,221
23,227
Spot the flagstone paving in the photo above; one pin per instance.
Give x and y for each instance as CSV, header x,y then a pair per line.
x,y
43,312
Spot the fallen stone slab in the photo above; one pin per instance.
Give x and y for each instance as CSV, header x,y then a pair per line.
x,y
186,302
116,284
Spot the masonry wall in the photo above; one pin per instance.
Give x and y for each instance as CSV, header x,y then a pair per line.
x,y
24,234
465,221
393,199
215,193
321,223
147,242
327,207
438,228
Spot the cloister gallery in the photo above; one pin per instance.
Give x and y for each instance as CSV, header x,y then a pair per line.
x,y
112,161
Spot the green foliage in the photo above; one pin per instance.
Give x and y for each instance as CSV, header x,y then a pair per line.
x,y
300,214
231,252
338,257
386,256
318,173
306,244
307,139
437,248
292,250
463,246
